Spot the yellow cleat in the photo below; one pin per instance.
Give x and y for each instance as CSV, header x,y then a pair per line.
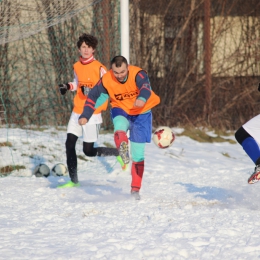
x,y
69,184
123,165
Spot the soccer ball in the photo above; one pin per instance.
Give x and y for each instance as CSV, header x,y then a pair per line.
x,y
59,169
163,137
41,170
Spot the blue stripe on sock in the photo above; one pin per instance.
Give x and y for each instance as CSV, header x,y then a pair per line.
x,y
251,148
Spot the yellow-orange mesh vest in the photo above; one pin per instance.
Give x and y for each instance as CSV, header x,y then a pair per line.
x,y
88,75
123,95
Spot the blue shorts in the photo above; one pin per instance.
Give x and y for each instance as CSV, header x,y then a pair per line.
x,y
139,126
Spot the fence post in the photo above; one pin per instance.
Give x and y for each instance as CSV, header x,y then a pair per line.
x,y
2,111
207,59
106,46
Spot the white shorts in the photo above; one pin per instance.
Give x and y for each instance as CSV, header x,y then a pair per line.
x,y
253,128
89,131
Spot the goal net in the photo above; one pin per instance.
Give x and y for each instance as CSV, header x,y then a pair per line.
x,y
37,51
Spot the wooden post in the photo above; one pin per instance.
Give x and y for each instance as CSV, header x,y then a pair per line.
x,y
207,60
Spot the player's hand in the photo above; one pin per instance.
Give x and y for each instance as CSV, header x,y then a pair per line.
x,y
63,88
83,121
139,103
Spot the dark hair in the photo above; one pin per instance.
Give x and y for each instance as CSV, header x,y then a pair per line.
x,y
90,40
118,60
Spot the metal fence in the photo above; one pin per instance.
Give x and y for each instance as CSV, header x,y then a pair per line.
x,y
202,57
35,61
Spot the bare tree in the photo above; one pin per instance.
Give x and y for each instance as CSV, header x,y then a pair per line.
x,y
169,40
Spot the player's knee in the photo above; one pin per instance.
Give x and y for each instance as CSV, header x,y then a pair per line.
x,y
120,123
241,134
89,149
137,151
69,145
90,152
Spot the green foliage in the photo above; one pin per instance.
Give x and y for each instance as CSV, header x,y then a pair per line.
x,y
226,154
109,145
109,131
202,136
81,157
6,170
6,144
40,129
60,128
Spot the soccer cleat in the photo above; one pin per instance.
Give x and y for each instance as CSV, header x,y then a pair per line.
x,y
135,194
255,177
69,184
124,153
123,166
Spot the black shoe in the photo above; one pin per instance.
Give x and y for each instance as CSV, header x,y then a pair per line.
x,y
135,194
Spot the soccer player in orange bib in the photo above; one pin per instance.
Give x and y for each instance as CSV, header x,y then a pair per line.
x,y
131,99
87,72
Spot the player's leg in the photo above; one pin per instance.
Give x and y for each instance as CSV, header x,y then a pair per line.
x,y
74,130
121,125
90,150
90,136
252,149
140,133
72,157
137,170
249,144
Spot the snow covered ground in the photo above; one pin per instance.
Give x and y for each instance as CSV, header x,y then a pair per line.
x,y
195,203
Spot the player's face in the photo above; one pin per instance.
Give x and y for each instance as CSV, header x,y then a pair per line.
x,y
86,51
120,72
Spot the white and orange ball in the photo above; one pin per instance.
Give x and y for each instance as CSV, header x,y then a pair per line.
x,y
163,137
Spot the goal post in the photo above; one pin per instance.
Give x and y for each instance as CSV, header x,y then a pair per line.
x,y
124,26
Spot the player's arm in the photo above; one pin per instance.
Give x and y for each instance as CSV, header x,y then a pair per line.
x,y
102,71
143,84
72,86
96,97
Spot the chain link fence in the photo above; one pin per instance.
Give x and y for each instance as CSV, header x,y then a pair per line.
x,y
35,61
37,52
202,57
